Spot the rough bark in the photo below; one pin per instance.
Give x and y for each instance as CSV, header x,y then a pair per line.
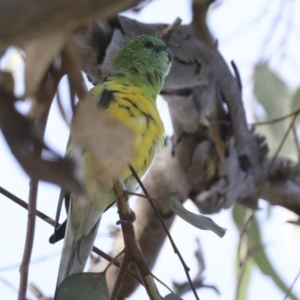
x,y
213,158
45,17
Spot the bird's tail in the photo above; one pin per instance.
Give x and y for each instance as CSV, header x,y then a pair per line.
x,y
75,254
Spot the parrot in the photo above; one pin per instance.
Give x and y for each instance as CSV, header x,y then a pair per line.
x,y
128,93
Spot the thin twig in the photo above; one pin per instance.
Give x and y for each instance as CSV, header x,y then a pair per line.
x,y
277,152
249,220
185,267
295,112
126,262
33,190
143,196
296,143
132,249
116,263
22,203
166,34
8,284
32,262
24,267
112,262
51,222
37,293
161,282
291,287
157,201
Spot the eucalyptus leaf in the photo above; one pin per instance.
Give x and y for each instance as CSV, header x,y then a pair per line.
x,y
172,297
262,260
274,95
259,256
239,215
296,102
271,91
245,281
198,221
88,286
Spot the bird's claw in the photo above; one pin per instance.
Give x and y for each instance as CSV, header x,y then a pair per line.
x,y
129,219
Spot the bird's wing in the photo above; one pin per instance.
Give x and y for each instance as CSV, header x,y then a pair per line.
x,y
103,101
84,212
75,255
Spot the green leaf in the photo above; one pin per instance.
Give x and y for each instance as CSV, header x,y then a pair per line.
x,y
88,286
243,292
198,221
172,297
270,90
239,217
262,260
296,102
274,95
258,254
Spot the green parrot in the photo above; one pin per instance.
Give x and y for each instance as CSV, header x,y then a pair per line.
x,y
128,93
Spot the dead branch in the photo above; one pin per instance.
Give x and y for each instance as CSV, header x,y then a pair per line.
x,y
37,293
132,250
40,124
51,222
24,267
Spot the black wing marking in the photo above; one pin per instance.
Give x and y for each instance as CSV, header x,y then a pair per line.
x,y
59,231
105,99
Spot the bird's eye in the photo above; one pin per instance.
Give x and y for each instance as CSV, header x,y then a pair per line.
x,y
148,45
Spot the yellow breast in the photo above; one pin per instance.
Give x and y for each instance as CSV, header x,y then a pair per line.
x,y
140,114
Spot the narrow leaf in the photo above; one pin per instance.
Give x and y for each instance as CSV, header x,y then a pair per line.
x,y
172,297
296,102
245,281
239,218
262,260
198,221
89,286
259,256
272,93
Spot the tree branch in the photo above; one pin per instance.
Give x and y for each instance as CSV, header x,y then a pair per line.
x,y
208,159
132,250
47,17
52,222
33,190
24,267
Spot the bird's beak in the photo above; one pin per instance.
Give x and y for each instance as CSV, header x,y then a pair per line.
x,y
170,54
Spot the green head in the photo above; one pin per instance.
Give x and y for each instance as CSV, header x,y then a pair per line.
x,y
146,61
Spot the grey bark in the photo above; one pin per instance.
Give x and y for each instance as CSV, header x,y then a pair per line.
x,y
213,159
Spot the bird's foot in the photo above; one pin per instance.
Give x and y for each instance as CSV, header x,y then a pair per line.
x,y
130,218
